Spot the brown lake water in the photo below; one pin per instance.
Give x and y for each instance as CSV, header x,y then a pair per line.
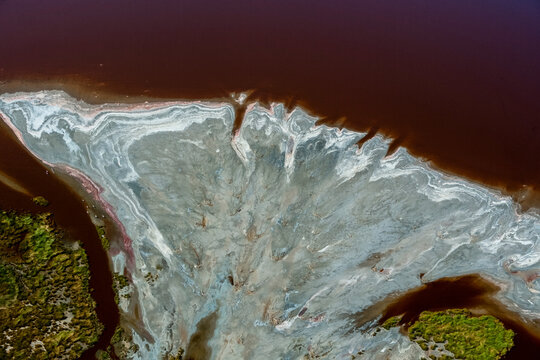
x,y
457,83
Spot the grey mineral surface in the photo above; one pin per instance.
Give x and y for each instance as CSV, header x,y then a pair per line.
x,y
272,228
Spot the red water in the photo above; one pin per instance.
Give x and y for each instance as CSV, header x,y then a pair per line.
x,y
457,82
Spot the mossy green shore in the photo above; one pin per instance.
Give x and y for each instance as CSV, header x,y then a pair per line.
x,y
457,334
46,311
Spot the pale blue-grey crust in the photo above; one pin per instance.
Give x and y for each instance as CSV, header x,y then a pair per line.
x,y
288,210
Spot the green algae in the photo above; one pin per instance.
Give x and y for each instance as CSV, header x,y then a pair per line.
x,y
8,285
103,355
103,237
391,322
46,310
120,282
179,355
40,201
121,346
460,333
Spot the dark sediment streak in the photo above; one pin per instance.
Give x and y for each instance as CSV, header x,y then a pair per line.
x,y
69,213
198,348
471,291
457,82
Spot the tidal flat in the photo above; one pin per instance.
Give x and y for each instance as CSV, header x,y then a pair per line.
x,y
278,232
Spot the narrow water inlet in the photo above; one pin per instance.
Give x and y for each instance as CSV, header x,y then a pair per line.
x,y
70,214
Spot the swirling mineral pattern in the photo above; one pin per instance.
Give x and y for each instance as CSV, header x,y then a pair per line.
x,y
279,233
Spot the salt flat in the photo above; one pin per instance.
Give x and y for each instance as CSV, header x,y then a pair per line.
x,y
274,229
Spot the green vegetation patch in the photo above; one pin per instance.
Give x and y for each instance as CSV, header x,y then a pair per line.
x,y
40,201
466,336
121,346
8,285
179,355
120,282
46,310
391,322
103,237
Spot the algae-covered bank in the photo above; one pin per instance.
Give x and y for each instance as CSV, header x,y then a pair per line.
x,y
457,334
46,310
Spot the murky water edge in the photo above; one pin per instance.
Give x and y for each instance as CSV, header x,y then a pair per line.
x,y
71,213
457,83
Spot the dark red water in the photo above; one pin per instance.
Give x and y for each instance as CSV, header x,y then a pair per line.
x,y
457,82
70,215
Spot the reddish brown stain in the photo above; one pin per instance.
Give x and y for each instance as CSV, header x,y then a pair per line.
x,y
198,348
